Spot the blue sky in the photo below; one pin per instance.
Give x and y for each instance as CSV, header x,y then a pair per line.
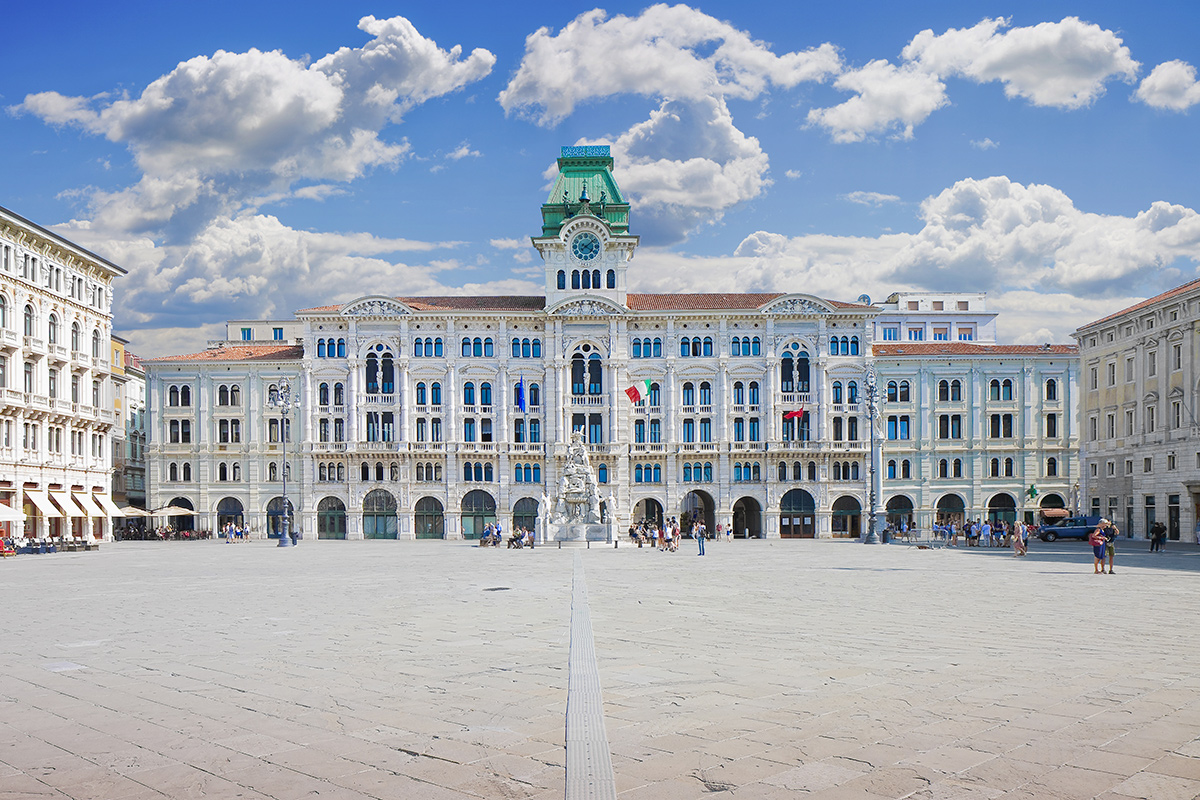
x,y
248,159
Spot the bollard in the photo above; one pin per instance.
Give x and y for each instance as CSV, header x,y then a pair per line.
x,y
589,547
560,544
614,544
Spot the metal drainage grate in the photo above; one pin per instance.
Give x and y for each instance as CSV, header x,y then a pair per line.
x,y
497,588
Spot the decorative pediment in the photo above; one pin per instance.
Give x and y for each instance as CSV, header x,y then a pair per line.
x,y
800,304
588,307
375,307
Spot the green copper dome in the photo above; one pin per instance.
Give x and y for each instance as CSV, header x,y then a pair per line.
x,y
585,185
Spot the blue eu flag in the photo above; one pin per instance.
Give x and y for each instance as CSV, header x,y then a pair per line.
x,y
521,393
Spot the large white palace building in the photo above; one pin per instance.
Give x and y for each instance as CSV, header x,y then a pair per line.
x,y
56,387
427,417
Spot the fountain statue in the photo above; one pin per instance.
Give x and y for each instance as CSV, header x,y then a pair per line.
x,y
574,514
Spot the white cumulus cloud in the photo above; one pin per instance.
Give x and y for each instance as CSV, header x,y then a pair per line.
x,y
1062,64
666,51
1171,85
875,199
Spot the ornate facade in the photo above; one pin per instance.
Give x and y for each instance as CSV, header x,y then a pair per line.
x,y
57,395
430,416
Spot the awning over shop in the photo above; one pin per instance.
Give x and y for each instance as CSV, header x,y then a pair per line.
x,y
10,514
106,503
43,504
68,506
90,507
1055,513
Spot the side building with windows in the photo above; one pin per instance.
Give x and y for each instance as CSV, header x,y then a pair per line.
x,y
977,431
57,393
1141,426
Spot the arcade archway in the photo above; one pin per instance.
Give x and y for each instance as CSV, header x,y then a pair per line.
x,y
1002,508
379,515
331,519
950,510
478,510
697,506
798,515
747,519
430,519
847,517
899,512
648,510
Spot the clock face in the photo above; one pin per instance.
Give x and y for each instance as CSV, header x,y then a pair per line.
x,y
585,246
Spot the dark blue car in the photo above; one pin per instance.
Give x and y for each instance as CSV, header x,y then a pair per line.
x,y
1069,528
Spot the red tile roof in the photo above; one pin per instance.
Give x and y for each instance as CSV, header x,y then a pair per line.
x,y
237,351
891,349
693,301
1167,295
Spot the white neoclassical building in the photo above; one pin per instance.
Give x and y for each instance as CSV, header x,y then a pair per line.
x,y
1141,427
430,416
57,404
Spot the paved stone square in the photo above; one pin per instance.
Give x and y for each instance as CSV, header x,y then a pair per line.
x,y
766,669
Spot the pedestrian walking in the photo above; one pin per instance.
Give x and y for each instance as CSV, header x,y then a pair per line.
x,y
1097,541
1111,532
699,534
1158,534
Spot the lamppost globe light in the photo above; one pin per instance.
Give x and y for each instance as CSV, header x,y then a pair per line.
x,y
872,494
280,399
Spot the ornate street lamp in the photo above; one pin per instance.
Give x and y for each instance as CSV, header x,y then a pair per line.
x,y
281,400
872,493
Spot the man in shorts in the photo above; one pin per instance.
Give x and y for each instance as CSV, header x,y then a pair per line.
x,y
1111,532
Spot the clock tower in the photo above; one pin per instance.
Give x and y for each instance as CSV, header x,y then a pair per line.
x,y
585,242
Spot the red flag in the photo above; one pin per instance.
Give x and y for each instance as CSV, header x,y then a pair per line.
x,y
634,394
800,412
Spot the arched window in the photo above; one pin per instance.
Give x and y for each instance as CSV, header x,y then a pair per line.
x,y
487,347
586,276
574,279
172,472
735,348
892,391
95,344
320,348
437,347
708,472
739,393
485,394
1051,389
466,347
854,471
835,346
29,321
341,348
753,396
223,395
418,347
3,312
595,375
52,329
477,346
535,395
323,473
689,394
323,394
537,348
365,471
487,472
272,472
837,392
1006,390
852,392
435,394
955,390
185,396
526,350
943,468
737,472
74,337
906,469
697,346
222,471
995,468
595,279
173,396
812,471
658,348
708,350
637,348
339,395
687,472
837,470
685,347
1051,467
516,348
562,279
612,279
891,470
468,394
657,473
705,394
853,345
994,389
637,474
467,472
1008,467
421,393
601,476
943,390
958,468
782,471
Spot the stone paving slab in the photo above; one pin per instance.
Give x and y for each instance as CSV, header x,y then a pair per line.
x,y
766,669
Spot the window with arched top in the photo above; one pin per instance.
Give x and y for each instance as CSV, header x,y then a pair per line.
x,y
526,349
30,321
1051,467
575,284
837,392
852,392
468,394
562,279
485,394
3,312
955,390
994,389
612,279
943,390
853,345
320,348
835,346
223,395
904,392
185,395
1006,390
435,394
689,394
893,391
1051,389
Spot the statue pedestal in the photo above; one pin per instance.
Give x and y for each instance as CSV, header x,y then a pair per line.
x,y
578,532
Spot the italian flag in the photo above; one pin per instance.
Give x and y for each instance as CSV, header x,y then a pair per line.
x,y
637,393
